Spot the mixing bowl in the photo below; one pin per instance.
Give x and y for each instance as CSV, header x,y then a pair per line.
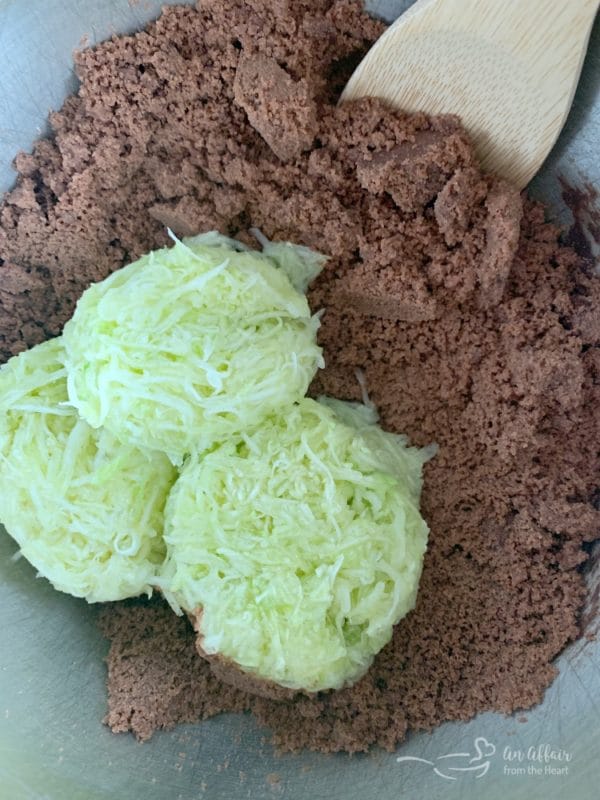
x,y
52,679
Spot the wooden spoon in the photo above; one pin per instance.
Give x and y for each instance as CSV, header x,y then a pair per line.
x,y
508,68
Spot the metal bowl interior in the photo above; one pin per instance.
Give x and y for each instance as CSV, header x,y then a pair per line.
x,y
52,685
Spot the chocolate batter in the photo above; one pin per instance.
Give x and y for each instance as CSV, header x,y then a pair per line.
x,y
475,328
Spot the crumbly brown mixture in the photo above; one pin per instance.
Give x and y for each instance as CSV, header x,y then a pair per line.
x,y
474,327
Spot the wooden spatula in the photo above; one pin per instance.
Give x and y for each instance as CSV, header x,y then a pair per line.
x,y
508,68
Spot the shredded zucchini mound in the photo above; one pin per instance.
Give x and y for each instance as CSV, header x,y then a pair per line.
x,y
299,546
192,344
86,511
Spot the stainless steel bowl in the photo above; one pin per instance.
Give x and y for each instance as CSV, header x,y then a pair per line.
x,y
52,693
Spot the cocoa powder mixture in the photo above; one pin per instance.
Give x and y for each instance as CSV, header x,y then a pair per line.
x,y
474,326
